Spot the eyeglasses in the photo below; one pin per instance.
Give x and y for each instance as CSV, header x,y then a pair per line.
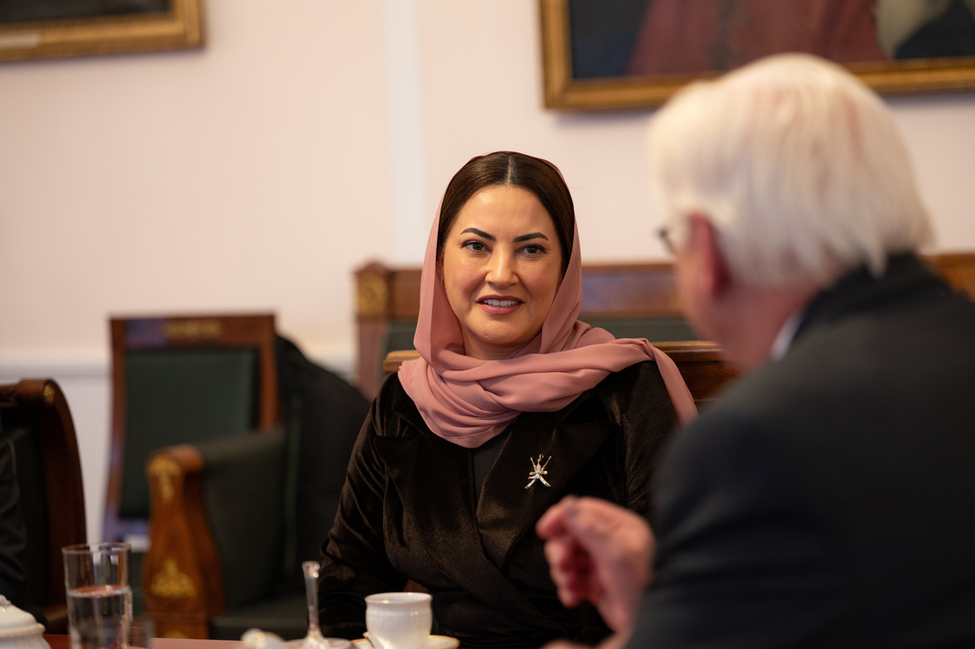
x,y
664,234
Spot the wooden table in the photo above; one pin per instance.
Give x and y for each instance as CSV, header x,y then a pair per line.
x,y
64,642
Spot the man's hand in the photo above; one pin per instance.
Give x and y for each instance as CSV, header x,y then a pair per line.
x,y
600,552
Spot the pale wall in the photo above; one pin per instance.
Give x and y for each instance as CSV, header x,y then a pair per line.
x,y
482,91
306,138
250,175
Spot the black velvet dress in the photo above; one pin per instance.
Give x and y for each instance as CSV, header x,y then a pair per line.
x,y
408,510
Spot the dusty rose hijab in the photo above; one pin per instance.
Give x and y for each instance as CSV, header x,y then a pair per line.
x,y
468,401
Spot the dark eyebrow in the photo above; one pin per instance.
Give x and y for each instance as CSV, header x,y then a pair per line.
x,y
491,237
480,233
529,237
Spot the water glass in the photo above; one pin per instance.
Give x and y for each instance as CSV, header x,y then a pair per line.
x,y
96,578
398,620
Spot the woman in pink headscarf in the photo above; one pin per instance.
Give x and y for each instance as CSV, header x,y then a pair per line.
x,y
512,404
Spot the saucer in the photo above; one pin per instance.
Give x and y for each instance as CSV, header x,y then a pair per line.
x,y
433,642
334,643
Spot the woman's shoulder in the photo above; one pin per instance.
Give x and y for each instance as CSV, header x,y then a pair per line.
x,y
636,392
393,405
391,389
644,375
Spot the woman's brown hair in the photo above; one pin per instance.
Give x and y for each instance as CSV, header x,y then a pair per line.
x,y
508,168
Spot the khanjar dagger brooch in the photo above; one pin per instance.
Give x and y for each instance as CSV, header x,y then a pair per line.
x,y
538,470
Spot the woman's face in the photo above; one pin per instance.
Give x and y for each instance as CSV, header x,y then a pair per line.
x,y
502,265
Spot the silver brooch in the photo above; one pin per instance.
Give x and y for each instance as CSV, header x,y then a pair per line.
x,y
538,470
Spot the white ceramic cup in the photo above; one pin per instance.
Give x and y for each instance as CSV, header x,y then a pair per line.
x,y
398,620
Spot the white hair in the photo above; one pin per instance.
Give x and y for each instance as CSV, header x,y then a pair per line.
x,y
797,165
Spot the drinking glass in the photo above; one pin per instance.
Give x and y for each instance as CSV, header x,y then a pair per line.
x,y
96,577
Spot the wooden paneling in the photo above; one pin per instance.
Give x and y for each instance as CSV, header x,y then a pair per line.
x,y
609,291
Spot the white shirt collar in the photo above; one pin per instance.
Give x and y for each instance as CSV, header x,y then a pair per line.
x,y
788,331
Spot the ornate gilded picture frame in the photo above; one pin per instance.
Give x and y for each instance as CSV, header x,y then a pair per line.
x,y
65,28
614,54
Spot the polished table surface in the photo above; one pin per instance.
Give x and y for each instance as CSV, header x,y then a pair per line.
x,y
64,642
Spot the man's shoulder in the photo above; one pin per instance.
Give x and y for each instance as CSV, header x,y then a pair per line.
x,y
861,433
863,359
845,390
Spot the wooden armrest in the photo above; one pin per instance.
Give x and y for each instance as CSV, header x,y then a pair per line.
x,y
57,618
394,359
181,574
699,361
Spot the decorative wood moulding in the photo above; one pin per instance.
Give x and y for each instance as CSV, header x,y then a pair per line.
x,y
171,582
164,469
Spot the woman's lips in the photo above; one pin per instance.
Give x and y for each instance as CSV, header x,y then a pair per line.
x,y
499,305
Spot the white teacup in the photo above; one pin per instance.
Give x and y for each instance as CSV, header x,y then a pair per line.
x,y
398,620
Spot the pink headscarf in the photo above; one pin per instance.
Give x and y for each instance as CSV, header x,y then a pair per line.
x,y
468,401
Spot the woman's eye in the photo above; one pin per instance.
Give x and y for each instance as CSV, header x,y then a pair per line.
x,y
474,246
533,249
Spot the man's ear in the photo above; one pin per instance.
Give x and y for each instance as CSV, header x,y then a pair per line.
x,y
715,278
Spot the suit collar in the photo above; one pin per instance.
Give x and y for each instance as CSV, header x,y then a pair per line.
x,y
860,291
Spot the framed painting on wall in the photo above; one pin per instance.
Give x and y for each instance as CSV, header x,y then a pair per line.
x,y
610,54
39,29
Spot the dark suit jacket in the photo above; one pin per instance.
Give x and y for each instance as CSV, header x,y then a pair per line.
x,y
408,511
828,499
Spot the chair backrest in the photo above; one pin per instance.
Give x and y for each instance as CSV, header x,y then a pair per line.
x,y
323,415
176,380
37,423
629,300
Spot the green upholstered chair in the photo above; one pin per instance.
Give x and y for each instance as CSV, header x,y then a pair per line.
x,y
233,518
37,426
180,379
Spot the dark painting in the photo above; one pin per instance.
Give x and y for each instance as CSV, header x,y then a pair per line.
x,y
621,38
15,11
47,29
601,54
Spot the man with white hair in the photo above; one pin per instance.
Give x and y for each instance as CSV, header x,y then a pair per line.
x,y
827,499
